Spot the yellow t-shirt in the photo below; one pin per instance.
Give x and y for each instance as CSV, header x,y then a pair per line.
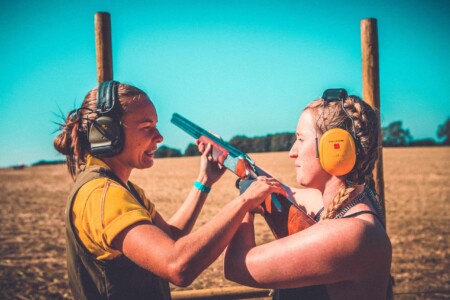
x,y
103,208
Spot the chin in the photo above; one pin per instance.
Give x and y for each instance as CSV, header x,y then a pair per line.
x,y
145,164
301,179
305,182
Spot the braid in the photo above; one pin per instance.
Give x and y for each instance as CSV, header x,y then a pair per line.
x,y
339,199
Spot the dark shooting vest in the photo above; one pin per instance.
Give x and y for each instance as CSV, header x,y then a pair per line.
x,y
120,278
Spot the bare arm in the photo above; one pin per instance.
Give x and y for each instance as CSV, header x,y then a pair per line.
x,y
182,222
328,252
181,261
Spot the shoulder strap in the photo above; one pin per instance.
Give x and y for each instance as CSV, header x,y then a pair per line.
x,y
364,212
129,187
133,191
99,172
318,214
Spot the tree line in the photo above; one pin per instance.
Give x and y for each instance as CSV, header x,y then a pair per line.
x,y
394,135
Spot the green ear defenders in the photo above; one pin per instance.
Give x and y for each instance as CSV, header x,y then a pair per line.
x,y
106,132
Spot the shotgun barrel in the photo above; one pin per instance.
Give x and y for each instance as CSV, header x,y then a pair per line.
x,y
196,132
232,158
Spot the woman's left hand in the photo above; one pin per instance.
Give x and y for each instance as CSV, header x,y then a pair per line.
x,y
210,170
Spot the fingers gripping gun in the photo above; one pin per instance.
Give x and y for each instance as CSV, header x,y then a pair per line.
x,y
283,215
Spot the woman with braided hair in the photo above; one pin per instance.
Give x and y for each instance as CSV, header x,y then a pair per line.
x,y
347,253
118,245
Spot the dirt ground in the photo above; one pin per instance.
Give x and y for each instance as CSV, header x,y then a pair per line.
x,y
417,190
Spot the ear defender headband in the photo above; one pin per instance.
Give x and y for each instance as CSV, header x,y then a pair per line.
x,y
336,148
106,132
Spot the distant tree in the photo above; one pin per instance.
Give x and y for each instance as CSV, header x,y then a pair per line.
x,y
19,166
444,132
423,142
395,136
192,150
242,142
48,162
282,142
268,143
261,144
165,151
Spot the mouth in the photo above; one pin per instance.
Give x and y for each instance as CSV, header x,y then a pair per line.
x,y
150,153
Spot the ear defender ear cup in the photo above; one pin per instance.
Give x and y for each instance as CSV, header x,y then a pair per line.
x,y
106,132
105,137
337,152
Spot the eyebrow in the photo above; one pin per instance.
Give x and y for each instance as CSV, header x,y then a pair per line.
x,y
146,121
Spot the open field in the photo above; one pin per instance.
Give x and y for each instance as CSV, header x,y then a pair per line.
x,y
417,189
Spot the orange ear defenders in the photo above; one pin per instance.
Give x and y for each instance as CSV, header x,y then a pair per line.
x,y
336,148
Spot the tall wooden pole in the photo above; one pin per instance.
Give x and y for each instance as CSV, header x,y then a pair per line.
x,y
103,46
371,90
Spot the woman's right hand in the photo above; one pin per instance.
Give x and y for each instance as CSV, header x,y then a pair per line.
x,y
210,170
260,189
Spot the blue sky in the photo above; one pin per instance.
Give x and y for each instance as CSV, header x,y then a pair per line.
x,y
234,67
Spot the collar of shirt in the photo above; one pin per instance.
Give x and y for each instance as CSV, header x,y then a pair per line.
x,y
95,161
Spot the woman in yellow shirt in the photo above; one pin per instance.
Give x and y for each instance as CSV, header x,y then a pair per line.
x,y
118,245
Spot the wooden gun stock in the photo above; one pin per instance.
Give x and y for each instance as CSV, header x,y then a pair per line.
x,y
287,221
283,217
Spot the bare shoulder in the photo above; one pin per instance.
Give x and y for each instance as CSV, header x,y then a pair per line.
x,y
362,244
363,257
356,232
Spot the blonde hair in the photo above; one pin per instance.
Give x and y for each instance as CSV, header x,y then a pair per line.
x,y
73,139
366,130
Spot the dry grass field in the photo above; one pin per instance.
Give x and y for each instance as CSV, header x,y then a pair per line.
x,y
417,188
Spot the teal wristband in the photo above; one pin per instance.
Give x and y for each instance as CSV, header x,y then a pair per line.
x,y
201,187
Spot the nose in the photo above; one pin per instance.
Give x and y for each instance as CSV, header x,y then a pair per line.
x,y
158,137
293,153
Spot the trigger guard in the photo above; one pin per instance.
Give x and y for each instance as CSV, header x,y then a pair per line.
x,y
237,184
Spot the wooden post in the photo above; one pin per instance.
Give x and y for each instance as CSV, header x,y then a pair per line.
x,y
225,293
103,46
371,91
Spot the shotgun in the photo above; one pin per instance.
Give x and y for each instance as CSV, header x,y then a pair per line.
x,y
283,215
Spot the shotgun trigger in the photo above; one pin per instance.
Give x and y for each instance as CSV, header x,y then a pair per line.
x,y
237,184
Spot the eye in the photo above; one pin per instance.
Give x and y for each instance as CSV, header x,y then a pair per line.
x,y
148,127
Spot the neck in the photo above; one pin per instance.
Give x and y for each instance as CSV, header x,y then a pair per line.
x,y
330,190
121,170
